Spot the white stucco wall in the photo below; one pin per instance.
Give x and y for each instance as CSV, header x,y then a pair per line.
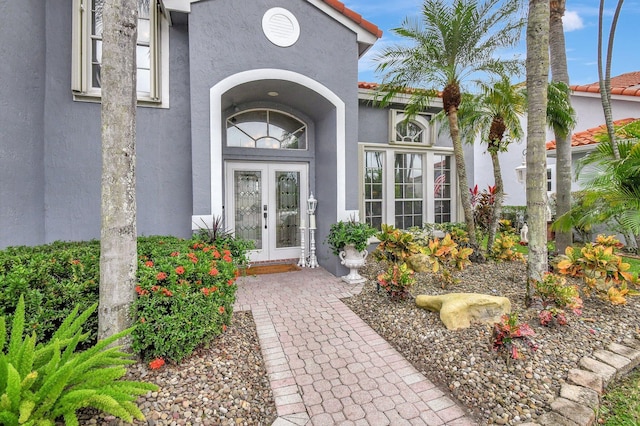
x,y
589,114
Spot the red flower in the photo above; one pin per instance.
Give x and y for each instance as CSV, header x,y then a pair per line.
x,y
161,276
75,261
227,258
221,310
180,270
192,257
141,291
155,288
148,263
175,254
213,272
224,327
167,292
216,254
156,363
213,289
230,281
205,291
142,320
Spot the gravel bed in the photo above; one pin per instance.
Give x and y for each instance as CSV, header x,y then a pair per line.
x,y
224,384
493,390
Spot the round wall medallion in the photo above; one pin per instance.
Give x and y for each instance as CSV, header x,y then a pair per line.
x,y
280,27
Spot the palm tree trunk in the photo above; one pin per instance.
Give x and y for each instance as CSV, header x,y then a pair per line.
x,y
461,173
537,80
605,80
559,72
496,211
118,244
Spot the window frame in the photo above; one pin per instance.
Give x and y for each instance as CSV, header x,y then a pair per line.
x,y
81,56
423,120
388,180
303,126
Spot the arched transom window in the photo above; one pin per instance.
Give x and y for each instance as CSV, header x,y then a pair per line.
x,y
415,131
265,128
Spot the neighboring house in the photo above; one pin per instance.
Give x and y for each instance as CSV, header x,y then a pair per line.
x,y
245,109
625,103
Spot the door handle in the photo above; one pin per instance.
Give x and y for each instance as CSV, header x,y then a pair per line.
x,y
265,216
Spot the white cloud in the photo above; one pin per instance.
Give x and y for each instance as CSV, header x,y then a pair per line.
x,y
571,21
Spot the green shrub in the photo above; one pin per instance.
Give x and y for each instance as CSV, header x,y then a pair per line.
x,y
53,279
185,296
41,382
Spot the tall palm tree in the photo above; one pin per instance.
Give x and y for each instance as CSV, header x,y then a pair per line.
x,y
447,47
560,73
494,114
537,82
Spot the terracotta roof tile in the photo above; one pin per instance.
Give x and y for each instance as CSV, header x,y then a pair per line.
x,y
375,86
355,17
587,137
624,84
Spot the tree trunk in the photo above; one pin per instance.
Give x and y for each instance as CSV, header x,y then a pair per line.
x,y
559,72
605,78
496,211
537,80
118,245
461,173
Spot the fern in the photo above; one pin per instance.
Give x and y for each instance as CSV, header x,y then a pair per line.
x,y
40,383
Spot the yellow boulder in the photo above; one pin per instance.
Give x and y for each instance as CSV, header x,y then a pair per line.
x,y
459,310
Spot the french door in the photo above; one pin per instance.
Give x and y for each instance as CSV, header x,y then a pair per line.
x,y
265,202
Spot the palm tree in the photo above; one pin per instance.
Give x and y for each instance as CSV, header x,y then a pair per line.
x,y
537,82
448,46
560,73
494,114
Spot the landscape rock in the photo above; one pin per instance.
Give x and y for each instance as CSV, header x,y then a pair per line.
x,y
460,310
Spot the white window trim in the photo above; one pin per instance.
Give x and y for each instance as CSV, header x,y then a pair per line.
x,y
81,58
424,120
388,210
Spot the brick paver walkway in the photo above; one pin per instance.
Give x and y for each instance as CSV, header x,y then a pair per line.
x,y
326,366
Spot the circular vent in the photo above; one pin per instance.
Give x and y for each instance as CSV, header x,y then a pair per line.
x,y
280,27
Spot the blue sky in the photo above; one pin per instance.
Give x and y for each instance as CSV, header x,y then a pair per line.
x,y
581,35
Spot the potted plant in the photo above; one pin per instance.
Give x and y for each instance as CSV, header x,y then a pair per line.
x,y
349,240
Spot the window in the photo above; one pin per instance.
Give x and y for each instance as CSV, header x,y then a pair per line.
x,y
418,130
152,69
406,188
264,128
549,179
442,188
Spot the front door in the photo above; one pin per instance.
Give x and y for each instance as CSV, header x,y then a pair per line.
x,y
265,202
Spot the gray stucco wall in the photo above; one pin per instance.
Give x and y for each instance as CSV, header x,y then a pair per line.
x,y
58,163
22,82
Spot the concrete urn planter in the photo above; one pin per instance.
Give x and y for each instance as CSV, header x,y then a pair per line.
x,y
354,260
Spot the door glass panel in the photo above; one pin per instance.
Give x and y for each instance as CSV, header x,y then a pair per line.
x,y
287,209
248,203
